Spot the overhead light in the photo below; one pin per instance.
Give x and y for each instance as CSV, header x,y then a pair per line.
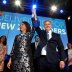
x,y
4,1
54,8
34,6
17,3
69,18
61,11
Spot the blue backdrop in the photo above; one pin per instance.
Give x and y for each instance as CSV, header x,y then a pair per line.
x,y
9,26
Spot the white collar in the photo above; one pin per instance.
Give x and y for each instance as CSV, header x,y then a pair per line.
x,y
49,32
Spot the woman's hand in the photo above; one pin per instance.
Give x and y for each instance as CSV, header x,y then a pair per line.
x,y
9,63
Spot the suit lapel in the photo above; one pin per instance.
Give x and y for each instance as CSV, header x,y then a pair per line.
x,y
45,35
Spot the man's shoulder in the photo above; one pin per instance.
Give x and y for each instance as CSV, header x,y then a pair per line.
x,y
55,34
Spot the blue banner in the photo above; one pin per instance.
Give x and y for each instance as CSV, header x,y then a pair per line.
x,y
9,26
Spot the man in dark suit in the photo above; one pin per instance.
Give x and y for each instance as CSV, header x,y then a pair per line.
x,y
48,59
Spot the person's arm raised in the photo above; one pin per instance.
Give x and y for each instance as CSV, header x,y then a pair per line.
x,y
36,22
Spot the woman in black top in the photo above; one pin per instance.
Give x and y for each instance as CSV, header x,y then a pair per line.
x,y
21,54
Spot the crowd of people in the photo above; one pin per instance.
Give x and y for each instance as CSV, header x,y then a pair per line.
x,y
44,57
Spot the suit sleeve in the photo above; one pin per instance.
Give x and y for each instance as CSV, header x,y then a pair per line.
x,y
36,24
61,49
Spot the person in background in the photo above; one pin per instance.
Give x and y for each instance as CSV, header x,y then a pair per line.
x,y
70,56
3,51
37,40
21,55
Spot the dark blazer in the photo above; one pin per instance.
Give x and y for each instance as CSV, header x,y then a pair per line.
x,y
52,44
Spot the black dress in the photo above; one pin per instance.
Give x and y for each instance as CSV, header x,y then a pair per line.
x,y
21,54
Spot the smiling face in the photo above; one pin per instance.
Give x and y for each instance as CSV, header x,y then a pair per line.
x,y
23,27
47,25
37,39
69,45
2,39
